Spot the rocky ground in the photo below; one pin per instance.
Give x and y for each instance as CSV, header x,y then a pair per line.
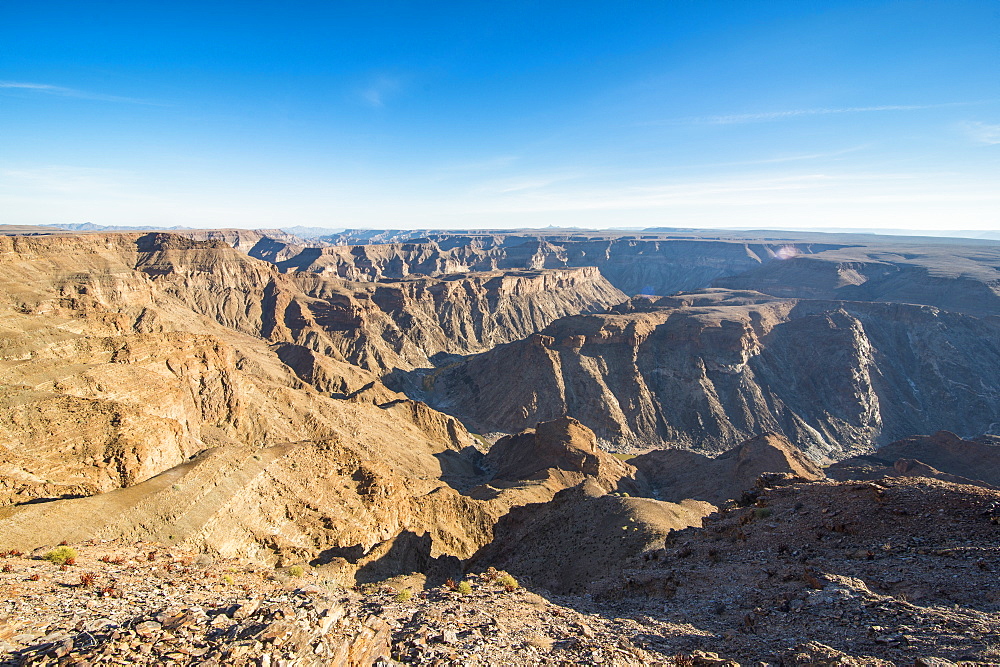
x,y
804,574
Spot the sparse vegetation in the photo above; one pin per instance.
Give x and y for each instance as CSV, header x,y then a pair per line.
x,y
62,555
403,595
295,571
228,578
87,579
464,588
508,582
762,512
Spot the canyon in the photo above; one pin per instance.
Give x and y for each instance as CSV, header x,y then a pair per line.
x,y
595,413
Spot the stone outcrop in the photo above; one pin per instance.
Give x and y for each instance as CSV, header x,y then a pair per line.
x,y
675,474
942,455
566,544
553,456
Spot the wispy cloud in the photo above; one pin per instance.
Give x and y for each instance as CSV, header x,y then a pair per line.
x,y
785,114
523,183
67,180
61,91
794,113
785,158
983,133
378,91
486,164
800,189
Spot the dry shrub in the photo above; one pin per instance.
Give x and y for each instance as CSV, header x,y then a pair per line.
x,y
61,555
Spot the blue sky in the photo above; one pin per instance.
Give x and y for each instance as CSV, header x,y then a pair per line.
x,y
502,114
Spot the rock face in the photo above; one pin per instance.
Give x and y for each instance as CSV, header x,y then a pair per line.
x,y
963,280
401,325
379,328
635,266
712,368
558,454
676,474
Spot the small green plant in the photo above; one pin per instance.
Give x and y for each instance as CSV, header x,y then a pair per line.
x,y
228,579
508,582
762,512
464,588
61,555
296,571
403,595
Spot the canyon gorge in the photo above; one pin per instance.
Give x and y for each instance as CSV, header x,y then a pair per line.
x,y
628,419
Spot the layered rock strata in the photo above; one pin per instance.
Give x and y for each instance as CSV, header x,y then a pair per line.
x,y
710,369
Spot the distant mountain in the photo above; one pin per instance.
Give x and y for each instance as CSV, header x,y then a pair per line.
x,y
312,232
91,227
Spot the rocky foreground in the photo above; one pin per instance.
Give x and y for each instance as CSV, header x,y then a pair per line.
x,y
803,574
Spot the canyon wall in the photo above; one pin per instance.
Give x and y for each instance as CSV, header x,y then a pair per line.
x,y
711,369
635,266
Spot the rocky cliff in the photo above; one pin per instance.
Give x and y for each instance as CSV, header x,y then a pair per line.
x,y
635,266
955,278
710,369
402,324
377,327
